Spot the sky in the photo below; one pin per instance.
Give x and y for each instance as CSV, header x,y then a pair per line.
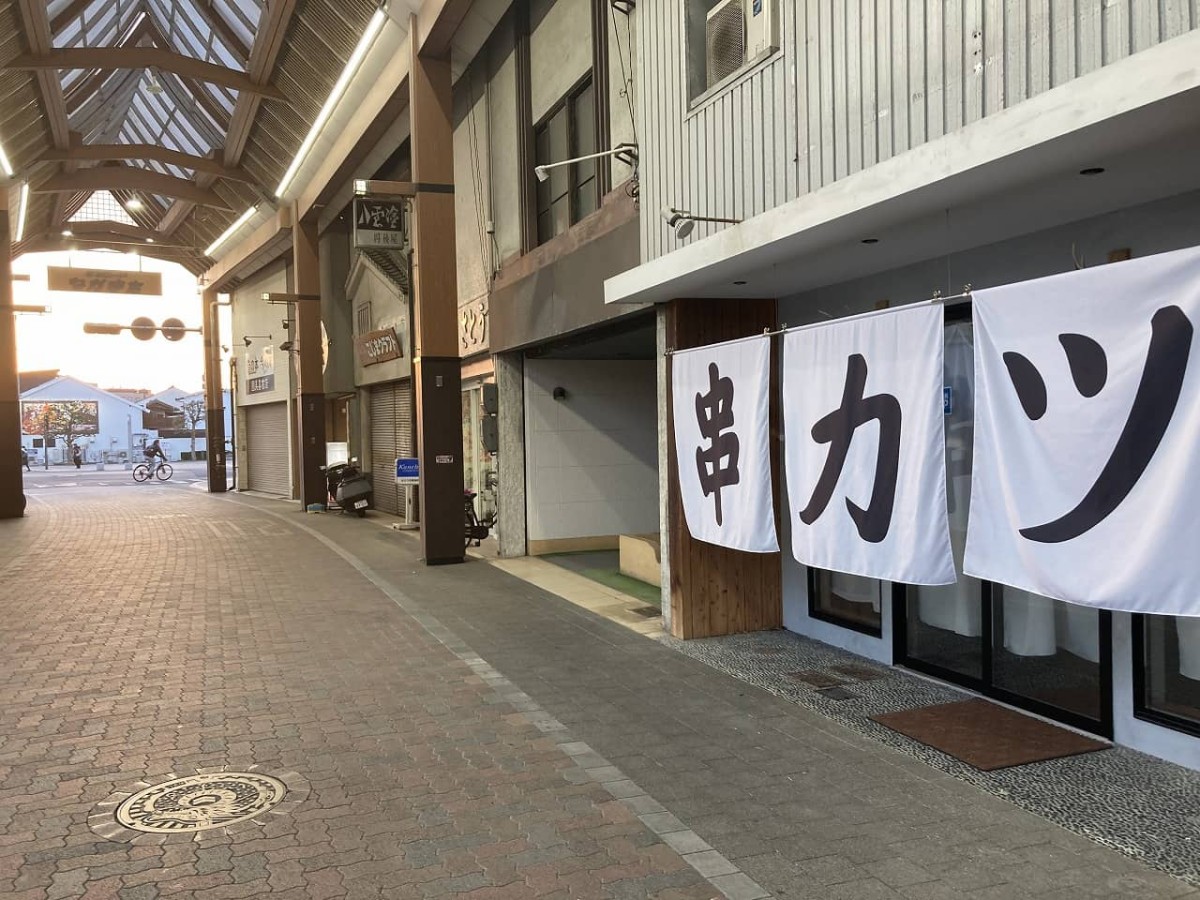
x,y
57,340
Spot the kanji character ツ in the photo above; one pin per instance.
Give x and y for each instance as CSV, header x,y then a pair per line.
x,y
837,430
718,464
1153,406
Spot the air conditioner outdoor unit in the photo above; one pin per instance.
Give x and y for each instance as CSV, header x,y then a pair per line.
x,y
724,40
762,32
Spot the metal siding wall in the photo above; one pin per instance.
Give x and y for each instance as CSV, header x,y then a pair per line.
x,y
857,82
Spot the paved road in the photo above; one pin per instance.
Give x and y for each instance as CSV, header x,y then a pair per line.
x,y
63,477
445,732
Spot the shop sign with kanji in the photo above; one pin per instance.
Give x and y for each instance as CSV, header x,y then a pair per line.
x,y
378,224
104,281
378,346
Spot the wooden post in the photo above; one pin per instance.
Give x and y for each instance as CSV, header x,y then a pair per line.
x,y
310,388
437,376
12,485
214,399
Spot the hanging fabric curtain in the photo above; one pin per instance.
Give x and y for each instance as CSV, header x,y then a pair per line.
x,y
1087,436
864,452
722,443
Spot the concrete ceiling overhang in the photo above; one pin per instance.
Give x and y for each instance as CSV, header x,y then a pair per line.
x,y
1010,174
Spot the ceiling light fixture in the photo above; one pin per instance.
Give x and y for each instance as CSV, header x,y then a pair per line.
x,y
149,240
684,222
228,232
22,209
5,165
626,153
356,58
67,232
134,203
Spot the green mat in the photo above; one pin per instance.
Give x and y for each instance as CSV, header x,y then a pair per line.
x,y
603,568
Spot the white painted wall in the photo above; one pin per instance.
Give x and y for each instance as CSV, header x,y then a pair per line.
x,y
253,316
592,457
115,417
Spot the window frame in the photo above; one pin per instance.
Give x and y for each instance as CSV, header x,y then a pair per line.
x,y
565,105
822,615
1141,710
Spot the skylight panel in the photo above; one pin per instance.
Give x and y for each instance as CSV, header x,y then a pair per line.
x,y
102,206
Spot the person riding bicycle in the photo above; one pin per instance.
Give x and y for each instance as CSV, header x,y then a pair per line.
x,y
155,456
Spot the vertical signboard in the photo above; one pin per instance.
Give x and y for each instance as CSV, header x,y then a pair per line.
x,y
378,224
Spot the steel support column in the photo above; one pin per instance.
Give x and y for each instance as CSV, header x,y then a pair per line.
x,y
214,405
310,389
12,485
437,375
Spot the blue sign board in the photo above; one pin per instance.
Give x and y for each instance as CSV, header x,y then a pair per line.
x,y
948,400
408,470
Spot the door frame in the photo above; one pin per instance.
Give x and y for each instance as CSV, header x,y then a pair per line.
x,y
991,612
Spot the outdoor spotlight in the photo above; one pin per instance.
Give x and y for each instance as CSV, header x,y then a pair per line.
x,y
286,346
541,173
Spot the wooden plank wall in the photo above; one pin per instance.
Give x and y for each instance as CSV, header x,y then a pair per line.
x,y
716,591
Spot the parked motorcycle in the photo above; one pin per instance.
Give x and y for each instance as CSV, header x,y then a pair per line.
x,y
349,487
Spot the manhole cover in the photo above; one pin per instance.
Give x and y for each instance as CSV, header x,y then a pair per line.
x,y
199,802
189,805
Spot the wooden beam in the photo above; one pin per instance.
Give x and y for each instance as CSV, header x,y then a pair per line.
x,y
119,230
106,152
107,178
68,15
143,58
45,243
268,43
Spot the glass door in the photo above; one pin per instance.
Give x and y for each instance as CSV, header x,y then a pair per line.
x,y
1051,657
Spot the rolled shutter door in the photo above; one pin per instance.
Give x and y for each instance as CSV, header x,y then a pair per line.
x,y
268,469
391,436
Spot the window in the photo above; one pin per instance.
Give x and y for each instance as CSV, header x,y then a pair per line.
x,y
1167,671
362,318
568,131
723,36
851,601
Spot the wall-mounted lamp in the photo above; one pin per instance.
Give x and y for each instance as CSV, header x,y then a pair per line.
x,y
559,393
246,338
626,153
286,346
684,222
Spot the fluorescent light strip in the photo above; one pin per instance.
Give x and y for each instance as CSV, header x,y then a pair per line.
x,y
5,165
335,95
228,232
22,209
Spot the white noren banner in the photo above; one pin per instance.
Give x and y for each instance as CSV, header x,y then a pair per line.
x,y
722,443
864,446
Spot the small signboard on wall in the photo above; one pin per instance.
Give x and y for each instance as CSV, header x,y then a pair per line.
x,y
408,470
260,370
378,346
378,224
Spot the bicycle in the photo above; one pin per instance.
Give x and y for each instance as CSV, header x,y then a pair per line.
x,y
143,472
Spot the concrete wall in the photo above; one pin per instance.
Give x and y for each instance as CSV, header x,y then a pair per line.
x,y
560,49
253,316
591,457
1149,228
854,84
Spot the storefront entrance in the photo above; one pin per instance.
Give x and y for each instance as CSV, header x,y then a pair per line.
x,y
1050,657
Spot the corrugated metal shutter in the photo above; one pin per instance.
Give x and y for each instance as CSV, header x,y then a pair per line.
x,y
391,436
267,467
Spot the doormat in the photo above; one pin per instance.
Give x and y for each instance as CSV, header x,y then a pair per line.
x,y
987,736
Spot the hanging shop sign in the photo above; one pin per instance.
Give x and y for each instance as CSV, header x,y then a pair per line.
x,y
1087,423
378,346
863,412
378,224
103,281
720,412
260,370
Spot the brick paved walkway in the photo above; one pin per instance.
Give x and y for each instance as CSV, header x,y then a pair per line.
x,y
150,633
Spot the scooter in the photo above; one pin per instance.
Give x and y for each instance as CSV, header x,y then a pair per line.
x,y
349,487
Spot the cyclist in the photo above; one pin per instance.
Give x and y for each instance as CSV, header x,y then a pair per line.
x,y
155,456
